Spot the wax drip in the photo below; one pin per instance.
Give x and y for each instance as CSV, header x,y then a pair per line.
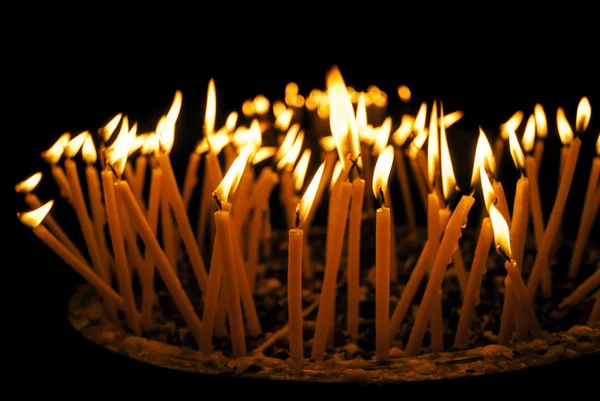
x,y
219,205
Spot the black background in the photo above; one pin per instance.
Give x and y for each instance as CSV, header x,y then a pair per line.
x,y
71,73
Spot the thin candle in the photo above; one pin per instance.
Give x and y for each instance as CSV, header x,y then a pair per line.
x,y
511,124
353,274
52,156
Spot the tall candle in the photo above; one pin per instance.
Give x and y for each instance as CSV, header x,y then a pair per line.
x,y
535,203
353,274
141,163
212,177
213,292
406,192
52,156
295,292
168,229
190,180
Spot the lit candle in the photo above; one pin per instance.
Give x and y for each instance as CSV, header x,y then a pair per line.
x,y
588,214
414,148
34,219
27,186
512,124
541,260
541,128
399,138
52,156
211,303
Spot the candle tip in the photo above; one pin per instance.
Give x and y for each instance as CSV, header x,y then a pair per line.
x,y
219,205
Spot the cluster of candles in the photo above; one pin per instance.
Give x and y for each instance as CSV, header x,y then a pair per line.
x,y
356,157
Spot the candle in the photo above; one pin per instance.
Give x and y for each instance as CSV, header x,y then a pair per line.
x,y
535,203
541,128
584,289
512,124
168,230
353,274
212,177
34,219
213,293
52,156
541,260
588,215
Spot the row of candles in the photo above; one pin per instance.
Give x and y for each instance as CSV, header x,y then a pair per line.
x,y
116,199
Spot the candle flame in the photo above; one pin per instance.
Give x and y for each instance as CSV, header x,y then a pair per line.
x,y
110,127
584,113
173,113
232,177
248,108
404,93
263,153
501,231
529,134
150,144
513,123
337,173
261,104
383,136
289,159
34,218
29,184
88,151
137,143
419,125
361,117
308,198
489,196
327,143
231,121
598,145
284,119
323,109
433,146
541,125
382,169
251,137
288,141
291,89
404,130
515,150
211,109
75,144
300,170
116,154
342,120
53,154
278,108
451,118
483,153
448,178
564,128
379,98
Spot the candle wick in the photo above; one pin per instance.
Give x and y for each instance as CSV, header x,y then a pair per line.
x,y
381,197
522,171
114,171
503,254
297,215
219,205
455,198
354,165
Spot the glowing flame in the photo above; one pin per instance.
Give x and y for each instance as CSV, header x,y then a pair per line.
x,y
448,178
288,141
515,150
404,93
380,99
354,96
300,170
248,108
116,154
232,177
211,109
381,172
150,144
75,144
110,127
584,113
327,143
483,152
598,146
291,89
231,121
361,116
308,198
29,184
88,151
383,136
501,231
137,143
433,146
289,159
166,138
323,110
452,118
34,218
489,196
529,134
404,130
341,119
173,113
284,119
513,123
419,125
248,137
541,125
564,128
278,108
337,172
263,154
311,102
261,104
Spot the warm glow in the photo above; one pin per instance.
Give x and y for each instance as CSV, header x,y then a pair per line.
x,y
433,146
211,109
417,143
323,110
420,119
289,158
110,127
231,121
150,144
300,170
404,130
541,125
381,172
513,122
383,136
327,143
53,154
307,199
166,137
218,141
34,218
116,154
288,141
380,99
337,172
515,150
278,108
298,101
483,152
261,104
137,143
311,103
284,119
354,95
361,117
88,151
487,190
584,113
173,113
529,134
501,231
29,184
291,89
404,93
452,118
564,128
232,177
263,154
247,136
598,145
248,108
75,144
448,178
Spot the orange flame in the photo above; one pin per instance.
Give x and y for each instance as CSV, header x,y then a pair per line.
x,y
53,154
173,113
211,109
231,121
232,177
289,159
88,151
541,125
75,144
598,146
529,135
404,93
248,108
383,136
404,130
327,143
501,231
34,218
433,146
284,119
337,173
300,171
291,89
452,118
515,150
513,123
263,154
288,141
150,144
584,113
448,178
381,172
483,153
564,128
248,137
261,104
308,198
278,108
137,143
487,190
29,184
361,117
110,127
116,154
419,125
